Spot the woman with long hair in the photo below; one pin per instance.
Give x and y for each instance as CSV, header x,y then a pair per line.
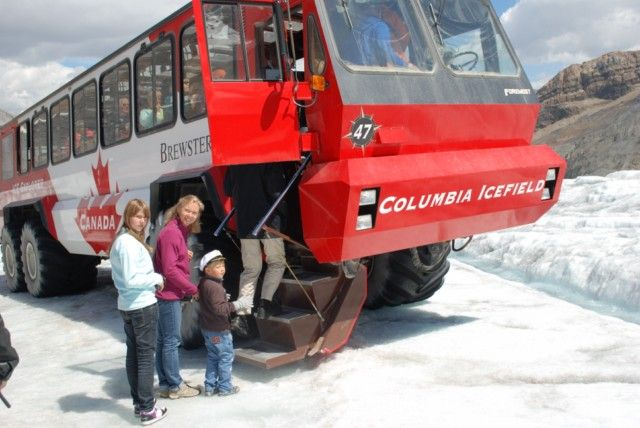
x,y
171,259
134,277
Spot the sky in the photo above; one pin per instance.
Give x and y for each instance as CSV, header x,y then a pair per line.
x,y
534,327
43,44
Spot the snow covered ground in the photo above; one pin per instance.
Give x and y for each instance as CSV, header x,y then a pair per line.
x,y
586,249
537,349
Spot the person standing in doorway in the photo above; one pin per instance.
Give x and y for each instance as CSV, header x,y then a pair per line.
x,y
134,277
253,189
172,260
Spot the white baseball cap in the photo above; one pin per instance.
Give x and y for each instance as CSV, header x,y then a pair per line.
x,y
210,257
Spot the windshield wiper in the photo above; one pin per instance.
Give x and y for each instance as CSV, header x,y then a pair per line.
x,y
346,12
436,24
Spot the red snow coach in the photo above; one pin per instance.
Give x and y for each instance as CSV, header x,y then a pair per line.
x,y
403,124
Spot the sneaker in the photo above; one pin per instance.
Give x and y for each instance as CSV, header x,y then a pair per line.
x,y
153,415
163,393
210,392
184,391
233,390
136,409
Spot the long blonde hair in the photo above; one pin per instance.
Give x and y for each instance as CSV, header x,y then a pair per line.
x,y
133,207
185,200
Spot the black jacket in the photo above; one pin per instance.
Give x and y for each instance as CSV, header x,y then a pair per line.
x,y
254,188
8,356
215,308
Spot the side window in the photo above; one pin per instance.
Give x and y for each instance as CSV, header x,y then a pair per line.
x,y
7,156
115,100
155,87
228,28
85,120
223,28
40,139
60,131
23,147
192,92
317,60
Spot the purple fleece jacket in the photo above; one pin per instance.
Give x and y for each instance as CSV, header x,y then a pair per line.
x,y
172,261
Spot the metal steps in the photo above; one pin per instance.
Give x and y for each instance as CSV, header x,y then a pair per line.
x,y
266,355
298,330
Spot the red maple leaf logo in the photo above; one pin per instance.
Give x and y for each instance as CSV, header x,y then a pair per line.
x,y
101,177
97,217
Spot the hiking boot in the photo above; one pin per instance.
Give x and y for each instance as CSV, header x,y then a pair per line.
x,y
153,415
233,390
184,391
210,392
267,309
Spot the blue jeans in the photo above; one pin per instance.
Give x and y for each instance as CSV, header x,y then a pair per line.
x,y
167,355
219,360
140,329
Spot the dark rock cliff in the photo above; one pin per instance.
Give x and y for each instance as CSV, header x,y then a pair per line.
x,y
591,114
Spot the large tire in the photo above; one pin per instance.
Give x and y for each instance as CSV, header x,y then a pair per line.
x,y
11,259
407,276
48,267
84,272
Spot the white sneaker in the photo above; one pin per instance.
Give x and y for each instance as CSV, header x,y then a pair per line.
x,y
154,415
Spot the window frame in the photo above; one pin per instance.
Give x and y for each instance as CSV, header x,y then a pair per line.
x,y
313,36
19,159
415,26
144,50
182,74
11,144
126,61
73,121
498,31
70,134
41,112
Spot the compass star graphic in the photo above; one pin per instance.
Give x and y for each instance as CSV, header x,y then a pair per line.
x,y
363,129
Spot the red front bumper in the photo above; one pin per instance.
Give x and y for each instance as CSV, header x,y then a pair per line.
x,y
424,198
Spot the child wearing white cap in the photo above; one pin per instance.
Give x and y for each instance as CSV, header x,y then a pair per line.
x,y
213,318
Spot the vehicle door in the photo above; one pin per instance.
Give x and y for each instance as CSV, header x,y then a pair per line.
x,y
250,111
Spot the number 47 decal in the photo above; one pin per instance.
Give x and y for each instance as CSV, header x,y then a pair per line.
x,y
363,129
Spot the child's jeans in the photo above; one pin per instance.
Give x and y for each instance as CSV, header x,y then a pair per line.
x,y
219,360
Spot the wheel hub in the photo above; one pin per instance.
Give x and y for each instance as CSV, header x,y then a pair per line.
x,y
10,261
32,262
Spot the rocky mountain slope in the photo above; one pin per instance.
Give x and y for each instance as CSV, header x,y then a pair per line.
x,y
591,114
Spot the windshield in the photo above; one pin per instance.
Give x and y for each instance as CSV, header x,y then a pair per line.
x,y
467,37
380,35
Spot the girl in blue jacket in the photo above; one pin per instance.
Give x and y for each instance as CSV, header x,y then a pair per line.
x,y
134,277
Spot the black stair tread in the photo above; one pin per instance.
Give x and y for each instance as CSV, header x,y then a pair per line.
x,y
266,355
257,346
289,313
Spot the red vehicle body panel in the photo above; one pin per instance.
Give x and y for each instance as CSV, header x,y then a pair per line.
x,y
429,197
